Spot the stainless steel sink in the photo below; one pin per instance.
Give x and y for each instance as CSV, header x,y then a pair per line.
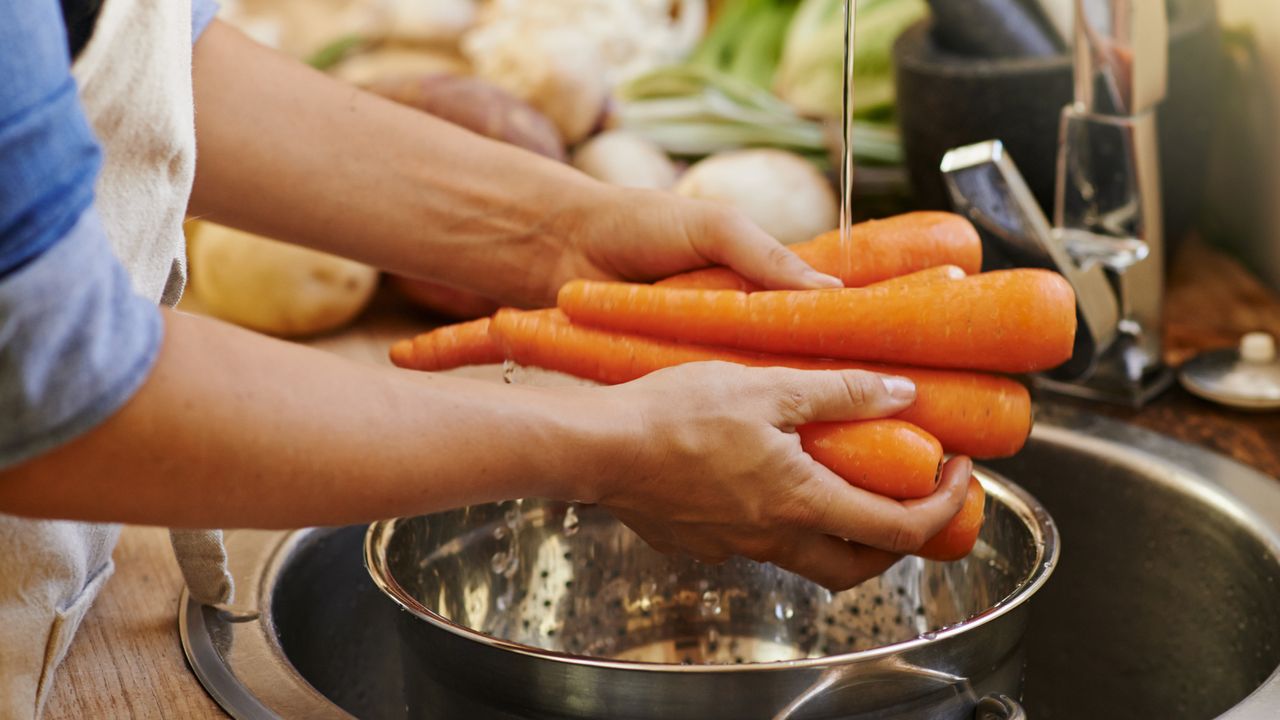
x,y
1165,604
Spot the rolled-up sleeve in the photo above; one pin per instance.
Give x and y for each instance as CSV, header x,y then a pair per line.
x,y
76,341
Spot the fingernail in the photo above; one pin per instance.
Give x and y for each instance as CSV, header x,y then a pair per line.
x,y
822,280
899,388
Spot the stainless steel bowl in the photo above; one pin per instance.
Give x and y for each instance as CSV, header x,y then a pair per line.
x,y
586,621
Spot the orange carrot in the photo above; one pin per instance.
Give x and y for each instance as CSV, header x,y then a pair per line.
x,y
448,347
887,457
941,273
1006,321
878,250
915,246
983,416
957,539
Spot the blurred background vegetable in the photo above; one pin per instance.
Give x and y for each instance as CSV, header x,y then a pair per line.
x,y
745,93
564,56
781,192
693,111
810,73
626,160
274,287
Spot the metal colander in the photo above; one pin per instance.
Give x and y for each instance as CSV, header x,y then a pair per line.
x,y
571,585
571,579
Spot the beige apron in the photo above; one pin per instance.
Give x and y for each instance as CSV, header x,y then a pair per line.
x,y
135,85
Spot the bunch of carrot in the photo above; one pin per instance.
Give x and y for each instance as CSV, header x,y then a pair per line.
x,y
915,298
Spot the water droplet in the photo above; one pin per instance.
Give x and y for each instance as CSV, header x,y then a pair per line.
x,y
784,611
508,372
500,533
571,522
711,602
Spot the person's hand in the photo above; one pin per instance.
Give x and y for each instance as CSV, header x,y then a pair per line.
x,y
624,234
717,470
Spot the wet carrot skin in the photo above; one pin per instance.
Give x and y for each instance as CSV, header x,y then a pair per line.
x,y
879,250
1006,321
958,538
887,457
448,347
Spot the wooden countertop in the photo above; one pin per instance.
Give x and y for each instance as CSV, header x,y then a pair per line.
x,y
127,660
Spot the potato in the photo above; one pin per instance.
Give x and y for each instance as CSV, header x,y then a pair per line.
x,y
273,287
477,106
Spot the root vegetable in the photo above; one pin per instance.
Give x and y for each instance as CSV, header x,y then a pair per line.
x,y
625,159
878,250
1005,321
448,347
273,287
974,414
782,192
957,539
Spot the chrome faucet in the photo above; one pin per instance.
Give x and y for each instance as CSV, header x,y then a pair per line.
x,y
1107,232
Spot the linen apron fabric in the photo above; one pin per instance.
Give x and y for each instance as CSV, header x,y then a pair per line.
x,y
135,85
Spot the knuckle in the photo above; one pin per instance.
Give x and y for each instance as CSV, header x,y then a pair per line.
x,y
780,256
906,538
860,387
790,396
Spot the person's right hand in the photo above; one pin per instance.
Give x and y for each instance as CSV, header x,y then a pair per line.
x,y
717,470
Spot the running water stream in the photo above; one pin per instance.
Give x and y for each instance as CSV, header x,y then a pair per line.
x,y
846,165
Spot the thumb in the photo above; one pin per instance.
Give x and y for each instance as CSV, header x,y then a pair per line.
x,y
838,395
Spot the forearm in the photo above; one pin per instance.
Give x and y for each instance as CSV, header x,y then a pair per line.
x,y
293,154
233,429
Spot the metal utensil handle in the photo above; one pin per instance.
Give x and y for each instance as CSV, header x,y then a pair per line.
x,y
999,707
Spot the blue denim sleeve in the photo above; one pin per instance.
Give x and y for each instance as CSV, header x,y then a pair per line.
x,y
76,341
48,154
202,13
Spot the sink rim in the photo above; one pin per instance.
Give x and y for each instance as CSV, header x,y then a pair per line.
x,y
259,681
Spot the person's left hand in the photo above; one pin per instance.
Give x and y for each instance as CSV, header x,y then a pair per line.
x,y
624,234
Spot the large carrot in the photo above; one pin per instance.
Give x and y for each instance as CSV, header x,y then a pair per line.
x,y
957,539
878,250
916,247
941,273
448,347
974,414
1006,321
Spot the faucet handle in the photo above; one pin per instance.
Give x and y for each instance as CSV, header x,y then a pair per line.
x,y
1121,56
987,187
